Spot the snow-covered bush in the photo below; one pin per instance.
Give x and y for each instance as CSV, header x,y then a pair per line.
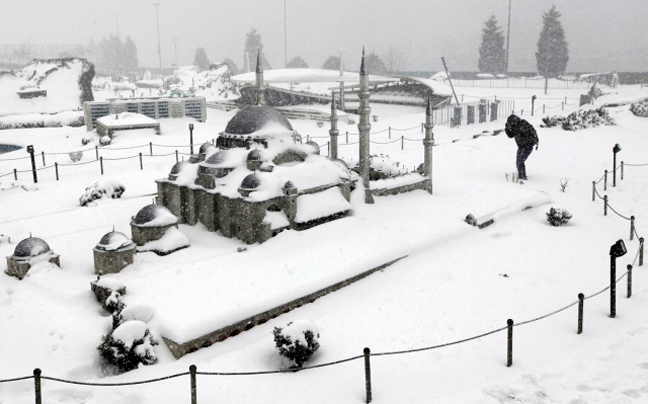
x,y
640,108
128,345
298,341
98,190
105,140
580,119
558,217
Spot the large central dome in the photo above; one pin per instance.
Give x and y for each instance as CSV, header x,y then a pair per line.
x,y
253,118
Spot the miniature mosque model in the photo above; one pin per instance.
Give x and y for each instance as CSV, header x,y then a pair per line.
x,y
260,179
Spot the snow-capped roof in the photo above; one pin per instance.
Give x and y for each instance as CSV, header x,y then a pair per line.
x,y
114,241
253,118
307,76
154,215
31,247
321,204
126,117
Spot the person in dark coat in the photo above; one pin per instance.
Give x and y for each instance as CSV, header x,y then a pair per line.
x,y
525,137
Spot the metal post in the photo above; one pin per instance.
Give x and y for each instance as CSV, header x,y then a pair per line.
x,y
632,227
37,386
56,170
614,169
30,150
367,355
581,298
621,169
509,345
629,281
191,138
612,286
605,205
15,174
101,164
97,152
192,376
641,248
43,155
177,156
151,148
390,132
605,180
593,191
402,142
141,165
533,98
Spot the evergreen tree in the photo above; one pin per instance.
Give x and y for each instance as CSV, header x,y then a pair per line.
x,y
253,46
201,60
233,69
374,65
115,56
492,55
332,63
130,61
552,55
297,63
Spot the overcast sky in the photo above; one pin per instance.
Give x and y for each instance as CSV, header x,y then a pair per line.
x,y
603,35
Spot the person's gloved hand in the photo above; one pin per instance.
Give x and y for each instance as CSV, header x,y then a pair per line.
x,y
537,145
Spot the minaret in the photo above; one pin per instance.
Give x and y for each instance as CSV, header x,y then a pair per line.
x,y
364,127
428,144
333,132
259,80
341,83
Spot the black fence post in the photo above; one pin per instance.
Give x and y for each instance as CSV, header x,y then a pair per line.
x,y
192,376
593,191
641,248
43,155
621,170
533,98
30,150
612,286
509,344
56,170
97,152
581,298
367,364
15,174
632,227
101,164
605,205
151,148
605,180
629,281
141,164
37,386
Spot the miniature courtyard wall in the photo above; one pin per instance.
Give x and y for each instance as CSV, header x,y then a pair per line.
x,y
179,349
425,184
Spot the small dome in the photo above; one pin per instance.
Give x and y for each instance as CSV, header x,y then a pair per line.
x,y
154,215
216,158
289,184
204,147
253,118
31,247
314,145
177,167
255,155
252,181
113,241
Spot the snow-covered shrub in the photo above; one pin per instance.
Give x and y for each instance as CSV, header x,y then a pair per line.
x,y
128,345
113,303
86,140
558,217
105,140
109,188
298,341
640,108
580,119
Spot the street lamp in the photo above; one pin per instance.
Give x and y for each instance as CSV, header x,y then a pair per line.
x,y
175,50
615,150
157,16
508,36
285,38
617,250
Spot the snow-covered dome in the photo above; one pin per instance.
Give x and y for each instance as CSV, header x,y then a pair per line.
x,y
114,241
251,181
216,158
31,247
255,155
204,148
314,145
253,118
177,167
154,215
289,184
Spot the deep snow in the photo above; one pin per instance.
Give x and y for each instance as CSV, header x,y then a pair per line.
x,y
456,281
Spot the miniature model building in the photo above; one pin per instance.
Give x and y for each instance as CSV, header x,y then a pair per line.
x,y
155,229
113,252
258,181
27,253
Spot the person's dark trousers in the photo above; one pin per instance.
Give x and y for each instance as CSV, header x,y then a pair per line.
x,y
522,154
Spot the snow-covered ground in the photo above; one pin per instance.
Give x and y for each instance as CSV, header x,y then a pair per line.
x,y
455,282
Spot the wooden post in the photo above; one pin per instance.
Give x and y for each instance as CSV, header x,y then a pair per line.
x,y
192,375
581,298
97,152
622,170
151,148
367,355
629,281
641,248
43,155
612,286
605,180
509,345
37,386
632,227
593,191
101,164
15,174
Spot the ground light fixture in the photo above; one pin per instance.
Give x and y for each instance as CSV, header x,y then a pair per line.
x,y
615,150
617,250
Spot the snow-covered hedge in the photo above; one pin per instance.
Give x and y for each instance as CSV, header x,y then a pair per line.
x,y
100,189
640,108
558,217
297,342
128,345
68,118
580,119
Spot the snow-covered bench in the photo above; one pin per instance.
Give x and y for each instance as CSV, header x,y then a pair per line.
x,y
107,125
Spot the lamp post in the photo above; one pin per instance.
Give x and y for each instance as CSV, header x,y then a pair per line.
x,y
157,16
30,150
615,150
508,36
175,50
285,38
618,249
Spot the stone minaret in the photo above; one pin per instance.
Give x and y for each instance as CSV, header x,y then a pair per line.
x,y
259,80
333,132
364,127
428,144
341,84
